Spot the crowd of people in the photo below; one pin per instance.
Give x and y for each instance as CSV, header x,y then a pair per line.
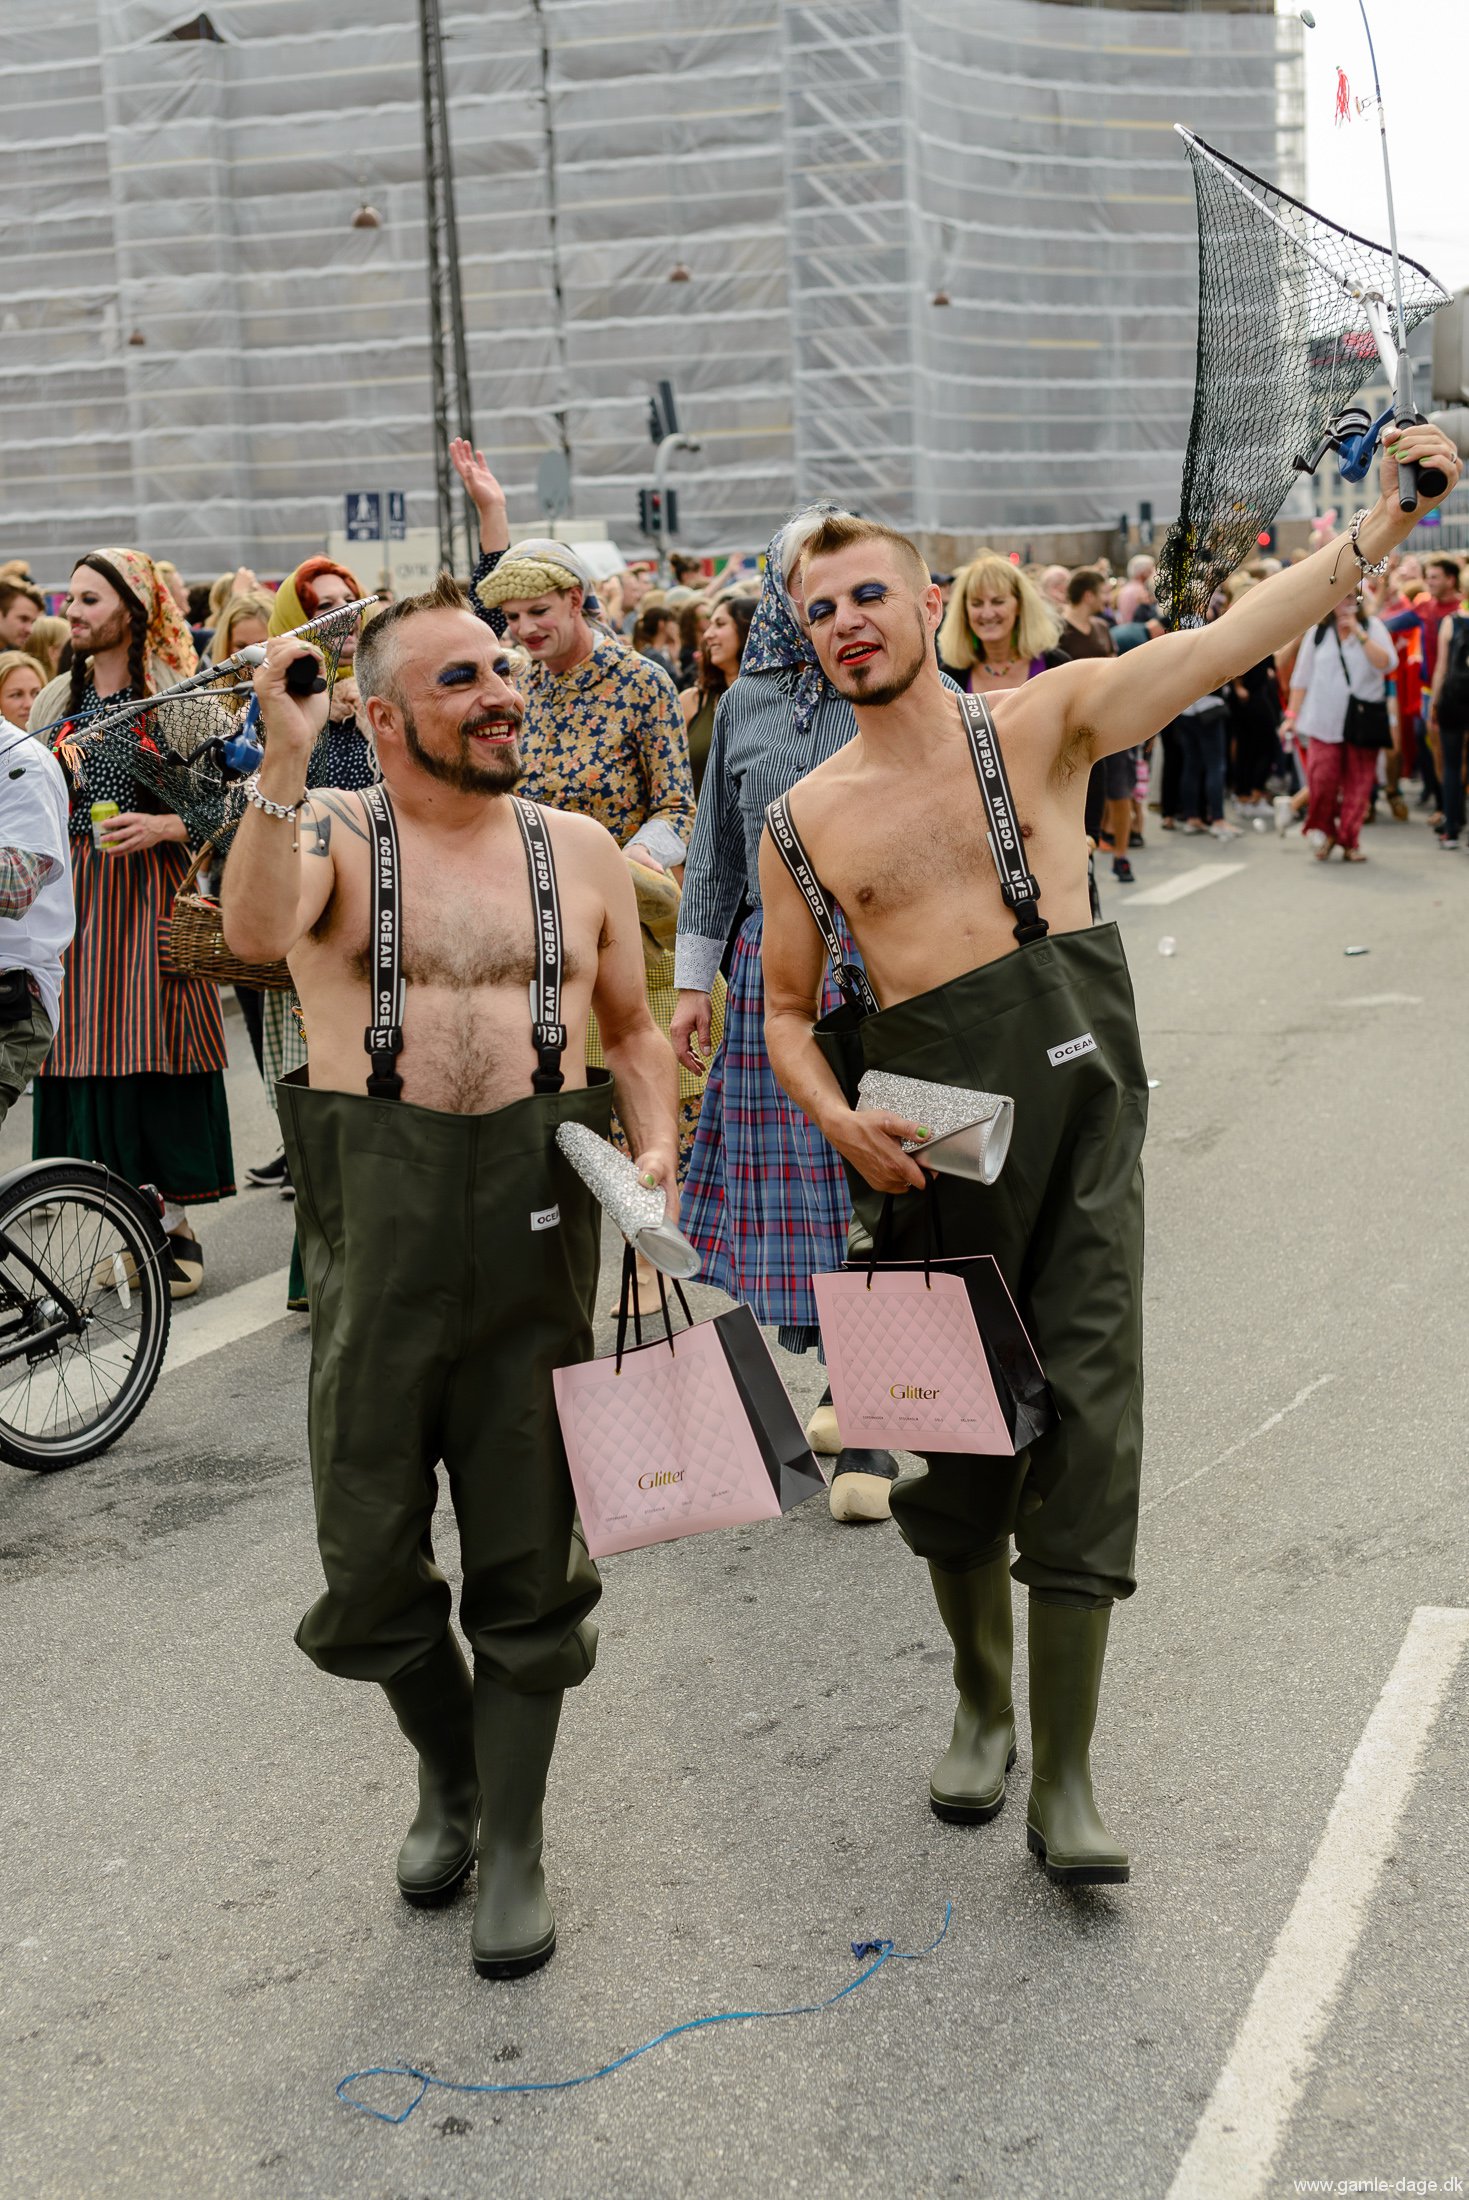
x,y
695,774
649,710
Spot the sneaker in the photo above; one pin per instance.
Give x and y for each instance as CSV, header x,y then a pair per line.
x,y
1122,869
1316,839
1220,831
1285,813
1448,840
273,1176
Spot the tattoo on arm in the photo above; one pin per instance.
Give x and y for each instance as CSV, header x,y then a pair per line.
x,y
321,823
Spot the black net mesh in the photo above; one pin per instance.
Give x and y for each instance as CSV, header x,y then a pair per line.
x,y
1284,342
173,743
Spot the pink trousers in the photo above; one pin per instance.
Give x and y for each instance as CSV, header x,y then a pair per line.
x,y
1340,780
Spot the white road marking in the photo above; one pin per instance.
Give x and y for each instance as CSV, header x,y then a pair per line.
x,y
1175,889
218,1322
1382,1000
1274,2052
1271,1421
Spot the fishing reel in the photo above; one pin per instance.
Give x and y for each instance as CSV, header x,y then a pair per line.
x,y
1354,435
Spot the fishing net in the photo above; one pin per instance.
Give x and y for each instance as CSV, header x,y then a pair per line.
x,y
1285,338
183,744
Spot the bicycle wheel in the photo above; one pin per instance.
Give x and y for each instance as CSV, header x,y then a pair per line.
x,y
71,1384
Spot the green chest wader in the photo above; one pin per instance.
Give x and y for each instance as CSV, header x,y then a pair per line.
x,y
1053,1025
452,1264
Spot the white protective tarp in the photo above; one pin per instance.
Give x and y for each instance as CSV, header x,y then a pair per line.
x,y
819,169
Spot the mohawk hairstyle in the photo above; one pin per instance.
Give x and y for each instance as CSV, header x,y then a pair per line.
x,y
841,530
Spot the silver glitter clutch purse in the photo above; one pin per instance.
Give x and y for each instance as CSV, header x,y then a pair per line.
x,y
971,1130
638,1209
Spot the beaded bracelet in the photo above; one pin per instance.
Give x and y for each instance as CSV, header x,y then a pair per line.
x,y
1356,529
288,810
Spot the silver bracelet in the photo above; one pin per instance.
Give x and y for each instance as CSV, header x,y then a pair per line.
x,y
288,810
1356,529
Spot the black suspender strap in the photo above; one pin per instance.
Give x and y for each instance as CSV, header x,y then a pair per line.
x,y
1007,844
547,1029
850,976
384,1036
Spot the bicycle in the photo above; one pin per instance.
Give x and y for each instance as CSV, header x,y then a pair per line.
x,y
84,1310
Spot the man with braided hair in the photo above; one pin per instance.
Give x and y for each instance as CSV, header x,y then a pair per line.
x,y
135,1079
604,737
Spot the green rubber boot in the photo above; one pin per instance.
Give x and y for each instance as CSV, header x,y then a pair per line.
x,y
1063,1827
514,1930
434,1705
967,1786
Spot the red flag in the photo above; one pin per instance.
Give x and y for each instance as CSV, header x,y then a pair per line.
x,y
1343,97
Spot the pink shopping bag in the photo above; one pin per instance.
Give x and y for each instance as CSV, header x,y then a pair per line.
x,y
690,1433
930,1357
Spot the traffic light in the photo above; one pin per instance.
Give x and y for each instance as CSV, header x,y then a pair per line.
x,y
658,512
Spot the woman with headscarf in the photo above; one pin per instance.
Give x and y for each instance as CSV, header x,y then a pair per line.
x,y
135,1079
766,1201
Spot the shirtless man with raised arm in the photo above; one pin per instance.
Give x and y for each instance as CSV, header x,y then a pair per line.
x,y
1010,992
450,1249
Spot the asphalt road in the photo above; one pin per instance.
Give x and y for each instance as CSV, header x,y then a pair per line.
x,y
199,1925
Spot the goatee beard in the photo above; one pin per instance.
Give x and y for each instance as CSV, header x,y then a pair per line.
x,y
873,698
465,773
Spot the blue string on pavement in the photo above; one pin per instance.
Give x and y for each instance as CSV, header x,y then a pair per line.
x,y
882,1951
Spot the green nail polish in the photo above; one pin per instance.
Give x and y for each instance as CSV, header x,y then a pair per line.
x,y
924,1131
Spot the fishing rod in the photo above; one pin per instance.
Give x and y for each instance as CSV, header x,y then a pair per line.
x,y
303,674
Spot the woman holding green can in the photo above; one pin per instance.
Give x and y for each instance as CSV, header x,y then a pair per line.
x,y
135,1079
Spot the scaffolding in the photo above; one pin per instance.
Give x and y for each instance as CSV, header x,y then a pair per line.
x,y
204,347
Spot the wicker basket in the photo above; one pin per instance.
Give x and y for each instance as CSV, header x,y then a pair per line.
x,y
194,944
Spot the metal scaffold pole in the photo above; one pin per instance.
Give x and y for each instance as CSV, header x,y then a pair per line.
x,y
448,350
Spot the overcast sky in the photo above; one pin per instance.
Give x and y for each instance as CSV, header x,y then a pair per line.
x,y
1423,60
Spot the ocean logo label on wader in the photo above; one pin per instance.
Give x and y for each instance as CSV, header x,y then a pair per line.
x,y
545,1218
1056,1056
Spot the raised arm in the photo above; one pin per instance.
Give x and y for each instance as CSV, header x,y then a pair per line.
x,y
794,963
636,1051
1114,704
279,877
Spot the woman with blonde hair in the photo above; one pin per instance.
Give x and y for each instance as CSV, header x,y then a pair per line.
x,y
241,620
46,640
22,678
999,630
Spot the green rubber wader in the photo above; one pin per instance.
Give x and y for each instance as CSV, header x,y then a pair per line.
x,y
451,1262
1065,1224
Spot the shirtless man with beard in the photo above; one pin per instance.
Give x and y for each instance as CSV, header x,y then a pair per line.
x,y
985,972
450,1249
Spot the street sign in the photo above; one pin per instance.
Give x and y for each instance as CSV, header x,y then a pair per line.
x,y
364,516
397,514
553,484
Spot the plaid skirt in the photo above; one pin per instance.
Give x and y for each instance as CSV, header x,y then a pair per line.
x,y
766,1201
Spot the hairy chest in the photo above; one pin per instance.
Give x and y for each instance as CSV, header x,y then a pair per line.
x,y
460,935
